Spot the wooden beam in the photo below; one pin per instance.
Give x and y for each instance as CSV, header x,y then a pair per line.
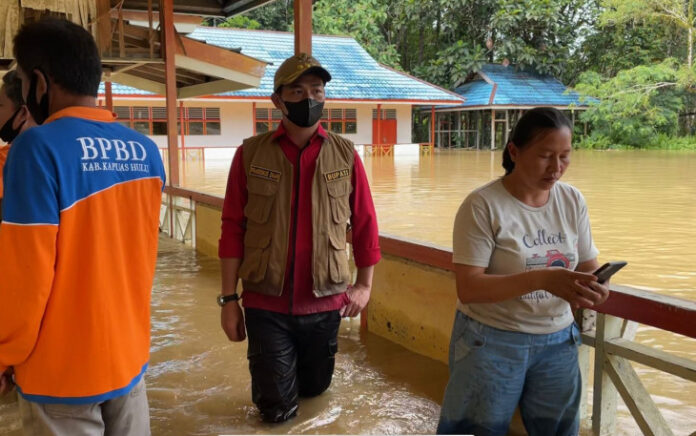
x,y
108,96
169,55
219,59
665,312
121,35
379,124
303,26
131,15
103,26
245,80
209,88
604,394
133,81
636,397
658,359
123,69
432,125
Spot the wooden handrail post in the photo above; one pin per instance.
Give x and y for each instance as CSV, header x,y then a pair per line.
x,y
604,395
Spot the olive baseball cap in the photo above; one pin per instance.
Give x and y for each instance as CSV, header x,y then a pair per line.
x,y
295,66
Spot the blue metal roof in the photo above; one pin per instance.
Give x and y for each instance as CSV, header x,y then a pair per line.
x,y
355,74
516,88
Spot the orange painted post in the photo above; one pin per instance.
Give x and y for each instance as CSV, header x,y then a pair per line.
x,y
109,96
168,51
303,26
432,125
181,130
379,127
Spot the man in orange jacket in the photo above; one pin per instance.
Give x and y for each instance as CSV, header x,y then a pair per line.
x,y
78,244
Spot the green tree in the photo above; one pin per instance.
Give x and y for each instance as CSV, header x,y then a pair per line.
x,y
636,105
361,19
678,13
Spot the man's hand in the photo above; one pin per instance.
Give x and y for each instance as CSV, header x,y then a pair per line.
x,y
6,382
358,295
232,320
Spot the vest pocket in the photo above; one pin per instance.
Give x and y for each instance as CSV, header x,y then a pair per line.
x,y
256,255
338,258
338,197
262,194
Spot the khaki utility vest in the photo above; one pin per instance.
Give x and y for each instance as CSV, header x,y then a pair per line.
x,y
270,183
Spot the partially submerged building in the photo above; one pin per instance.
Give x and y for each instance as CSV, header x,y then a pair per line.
x,y
495,98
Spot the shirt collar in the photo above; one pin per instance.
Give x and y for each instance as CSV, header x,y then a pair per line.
x,y
89,113
281,131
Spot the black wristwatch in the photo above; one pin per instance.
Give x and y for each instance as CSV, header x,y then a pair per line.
x,y
224,299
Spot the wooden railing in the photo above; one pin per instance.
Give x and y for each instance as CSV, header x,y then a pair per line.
x,y
425,148
617,323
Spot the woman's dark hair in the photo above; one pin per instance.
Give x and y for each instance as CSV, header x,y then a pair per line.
x,y
531,125
12,86
62,50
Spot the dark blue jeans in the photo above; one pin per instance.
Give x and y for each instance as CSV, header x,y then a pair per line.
x,y
289,356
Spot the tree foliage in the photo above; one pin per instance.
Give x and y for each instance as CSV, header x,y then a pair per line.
x,y
636,105
634,58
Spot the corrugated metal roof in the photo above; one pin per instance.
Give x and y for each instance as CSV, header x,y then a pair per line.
x,y
355,74
516,88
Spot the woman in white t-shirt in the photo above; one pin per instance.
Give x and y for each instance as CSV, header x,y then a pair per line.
x,y
523,255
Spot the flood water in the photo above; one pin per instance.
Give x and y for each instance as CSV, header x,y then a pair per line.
x,y
642,207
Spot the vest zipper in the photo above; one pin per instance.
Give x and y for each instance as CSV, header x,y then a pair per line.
x,y
296,188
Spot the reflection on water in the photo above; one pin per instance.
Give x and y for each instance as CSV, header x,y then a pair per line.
x,y
642,207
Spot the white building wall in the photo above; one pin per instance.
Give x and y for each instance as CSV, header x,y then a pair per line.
x,y
237,121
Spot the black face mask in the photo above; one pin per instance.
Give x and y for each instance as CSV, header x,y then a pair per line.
x,y
39,111
7,133
305,113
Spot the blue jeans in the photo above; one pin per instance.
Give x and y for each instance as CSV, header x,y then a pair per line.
x,y
492,371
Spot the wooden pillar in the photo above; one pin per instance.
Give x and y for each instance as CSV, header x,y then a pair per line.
x,y
168,52
379,124
181,129
492,129
303,26
507,127
432,125
109,97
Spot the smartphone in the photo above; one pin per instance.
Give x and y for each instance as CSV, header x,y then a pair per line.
x,y
607,270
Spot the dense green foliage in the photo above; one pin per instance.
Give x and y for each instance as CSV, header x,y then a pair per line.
x,y
631,59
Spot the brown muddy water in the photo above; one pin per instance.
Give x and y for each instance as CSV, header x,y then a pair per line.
x,y
642,209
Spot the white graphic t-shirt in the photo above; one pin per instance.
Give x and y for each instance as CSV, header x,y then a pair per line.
x,y
496,231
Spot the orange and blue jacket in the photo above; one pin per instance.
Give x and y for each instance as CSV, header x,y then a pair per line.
x,y
78,244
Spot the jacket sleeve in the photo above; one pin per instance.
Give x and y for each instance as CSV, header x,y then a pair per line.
x,y
27,246
231,244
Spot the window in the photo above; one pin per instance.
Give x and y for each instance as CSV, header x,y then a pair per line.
x,y
267,119
340,121
153,120
387,114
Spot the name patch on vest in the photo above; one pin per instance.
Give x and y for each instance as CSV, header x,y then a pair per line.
x,y
337,175
264,173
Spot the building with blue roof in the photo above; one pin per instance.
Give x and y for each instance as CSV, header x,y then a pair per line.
x,y
495,98
359,89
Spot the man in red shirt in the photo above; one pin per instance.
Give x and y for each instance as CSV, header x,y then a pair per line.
x,y
290,196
